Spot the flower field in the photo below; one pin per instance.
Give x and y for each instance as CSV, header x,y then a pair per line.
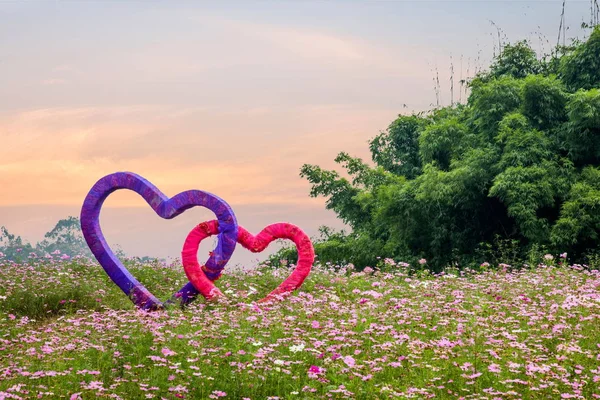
x,y
67,332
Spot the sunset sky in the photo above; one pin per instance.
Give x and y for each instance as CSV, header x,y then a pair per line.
x,y
227,97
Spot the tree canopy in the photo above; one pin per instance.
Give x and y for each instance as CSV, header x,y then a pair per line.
x,y
519,162
64,240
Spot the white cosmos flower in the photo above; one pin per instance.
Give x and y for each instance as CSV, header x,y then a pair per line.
x,y
297,348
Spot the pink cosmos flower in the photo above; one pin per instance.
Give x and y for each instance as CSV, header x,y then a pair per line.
x,y
494,368
95,385
167,352
47,349
466,366
349,360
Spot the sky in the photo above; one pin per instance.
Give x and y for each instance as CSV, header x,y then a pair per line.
x,y
228,97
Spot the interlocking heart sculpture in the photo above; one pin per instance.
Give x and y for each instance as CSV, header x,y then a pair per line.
x,y
197,276
201,277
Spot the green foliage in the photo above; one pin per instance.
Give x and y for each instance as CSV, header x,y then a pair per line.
x,y
578,227
526,191
438,142
521,144
397,149
544,101
490,102
64,239
581,68
581,133
13,247
515,169
340,191
337,248
516,60
500,251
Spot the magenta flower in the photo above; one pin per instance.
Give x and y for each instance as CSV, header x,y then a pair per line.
x,y
314,371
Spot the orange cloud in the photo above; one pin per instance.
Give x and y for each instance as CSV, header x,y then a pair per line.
x,y
253,156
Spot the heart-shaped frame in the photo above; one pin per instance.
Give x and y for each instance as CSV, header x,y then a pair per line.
x,y
197,276
165,208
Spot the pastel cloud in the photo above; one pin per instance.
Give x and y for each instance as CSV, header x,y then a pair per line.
x,y
54,81
53,156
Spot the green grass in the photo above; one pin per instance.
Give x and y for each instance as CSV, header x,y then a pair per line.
x,y
65,326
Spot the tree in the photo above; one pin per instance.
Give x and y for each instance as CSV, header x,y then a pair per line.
x,y
397,149
581,133
13,247
66,237
516,60
520,162
581,68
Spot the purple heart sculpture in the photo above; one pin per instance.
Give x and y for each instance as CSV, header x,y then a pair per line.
x,y
165,208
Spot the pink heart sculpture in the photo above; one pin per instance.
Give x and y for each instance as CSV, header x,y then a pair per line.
x,y
196,273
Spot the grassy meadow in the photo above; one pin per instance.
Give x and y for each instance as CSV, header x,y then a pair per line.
x,y
67,332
